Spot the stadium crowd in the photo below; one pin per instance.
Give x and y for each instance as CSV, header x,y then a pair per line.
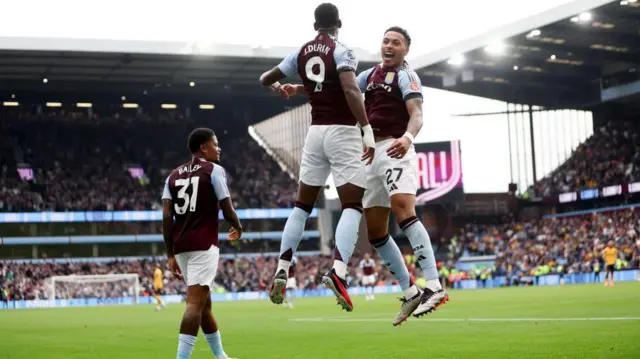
x,y
610,157
83,162
566,244
241,274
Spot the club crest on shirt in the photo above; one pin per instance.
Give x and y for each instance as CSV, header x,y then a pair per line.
x,y
389,79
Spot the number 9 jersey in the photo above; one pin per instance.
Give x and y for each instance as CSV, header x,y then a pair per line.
x,y
319,62
194,189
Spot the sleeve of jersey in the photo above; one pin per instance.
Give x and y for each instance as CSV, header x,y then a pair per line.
x,y
166,194
219,183
410,85
289,65
361,80
345,59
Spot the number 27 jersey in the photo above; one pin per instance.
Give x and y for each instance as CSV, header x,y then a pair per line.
x,y
319,63
194,189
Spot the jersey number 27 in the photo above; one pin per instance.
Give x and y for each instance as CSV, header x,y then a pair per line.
x,y
189,201
318,78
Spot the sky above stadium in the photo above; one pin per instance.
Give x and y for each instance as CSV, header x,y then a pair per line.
x,y
432,24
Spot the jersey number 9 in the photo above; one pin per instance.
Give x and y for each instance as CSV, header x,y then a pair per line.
x,y
318,78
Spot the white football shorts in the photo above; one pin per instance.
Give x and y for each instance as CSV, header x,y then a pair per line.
x,y
334,149
292,283
387,176
369,279
199,267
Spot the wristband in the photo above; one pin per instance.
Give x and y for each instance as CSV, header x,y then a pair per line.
x,y
409,136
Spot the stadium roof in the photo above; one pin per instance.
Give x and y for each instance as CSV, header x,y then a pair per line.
x,y
555,59
150,67
584,52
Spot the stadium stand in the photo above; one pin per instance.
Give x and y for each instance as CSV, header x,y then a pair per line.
x,y
574,242
610,157
80,162
24,280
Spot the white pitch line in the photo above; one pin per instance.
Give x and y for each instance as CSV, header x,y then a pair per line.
x,y
467,319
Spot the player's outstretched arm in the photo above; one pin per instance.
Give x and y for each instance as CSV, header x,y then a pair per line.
x,y
230,215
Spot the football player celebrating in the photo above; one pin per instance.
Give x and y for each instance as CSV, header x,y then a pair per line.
x,y
334,144
393,100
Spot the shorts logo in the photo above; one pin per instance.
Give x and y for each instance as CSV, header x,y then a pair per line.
x,y
414,86
389,79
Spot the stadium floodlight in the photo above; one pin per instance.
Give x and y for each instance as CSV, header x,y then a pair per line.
x,y
169,106
553,57
624,2
54,104
84,105
496,48
11,104
192,83
515,67
45,80
100,286
123,98
207,107
534,33
585,16
456,60
129,105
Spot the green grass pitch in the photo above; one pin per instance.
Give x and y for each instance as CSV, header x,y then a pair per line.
x,y
579,321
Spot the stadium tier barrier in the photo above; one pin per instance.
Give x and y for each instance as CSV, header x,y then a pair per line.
x,y
145,258
131,238
128,216
548,280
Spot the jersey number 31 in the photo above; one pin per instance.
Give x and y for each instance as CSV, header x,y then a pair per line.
x,y
318,78
189,201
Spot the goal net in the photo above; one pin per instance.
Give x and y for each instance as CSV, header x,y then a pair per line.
x,y
102,288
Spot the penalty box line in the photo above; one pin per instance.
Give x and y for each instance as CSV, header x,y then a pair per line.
x,y
463,320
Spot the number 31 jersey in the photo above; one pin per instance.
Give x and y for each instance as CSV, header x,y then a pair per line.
x,y
319,62
194,189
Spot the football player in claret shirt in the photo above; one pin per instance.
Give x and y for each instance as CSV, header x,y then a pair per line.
x,y
292,283
393,100
193,194
334,144
368,271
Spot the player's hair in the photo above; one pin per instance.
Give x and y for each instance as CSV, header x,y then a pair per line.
x,y
327,16
402,31
198,137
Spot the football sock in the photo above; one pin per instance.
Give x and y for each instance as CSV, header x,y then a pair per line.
x,y
215,343
292,235
158,300
422,249
388,250
346,237
185,346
